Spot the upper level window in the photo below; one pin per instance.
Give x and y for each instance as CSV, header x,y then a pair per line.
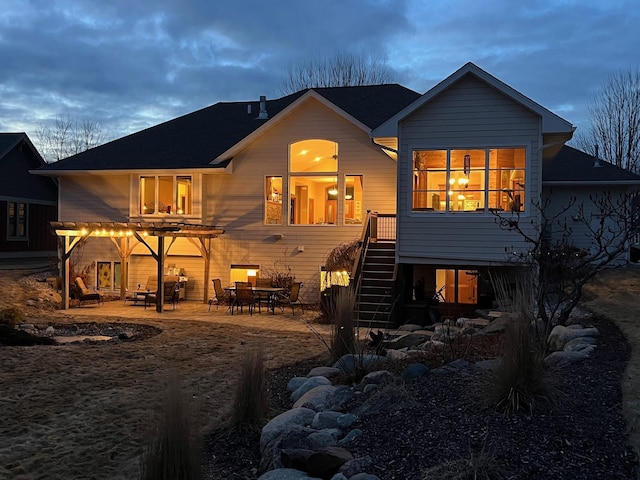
x,y
166,194
17,220
469,180
313,182
273,201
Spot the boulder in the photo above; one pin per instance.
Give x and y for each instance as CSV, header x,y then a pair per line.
x,y
286,474
277,425
327,461
561,335
328,372
309,384
379,377
414,370
406,341
316,398
350,362
356,466
561,359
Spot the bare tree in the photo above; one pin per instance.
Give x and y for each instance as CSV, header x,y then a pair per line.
x,y
615,121
341,70
68,136
562,268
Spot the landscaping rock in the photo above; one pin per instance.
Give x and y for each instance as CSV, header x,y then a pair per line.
x,y
561,359
379,377
350,362
286,474
356,466
561,335
414,370
309,384
316,399
295,383
350,437
327,372
406,341
327,461
277,425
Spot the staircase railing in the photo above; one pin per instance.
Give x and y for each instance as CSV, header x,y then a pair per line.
x,y
376,227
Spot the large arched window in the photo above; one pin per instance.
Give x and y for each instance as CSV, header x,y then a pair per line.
x,y
313,182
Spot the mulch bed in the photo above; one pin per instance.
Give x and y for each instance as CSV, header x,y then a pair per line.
x,y
442,420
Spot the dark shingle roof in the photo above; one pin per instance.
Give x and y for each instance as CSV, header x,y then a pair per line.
x,y
17,157
195,139
573,165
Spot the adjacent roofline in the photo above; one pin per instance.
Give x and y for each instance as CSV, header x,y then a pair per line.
x,y
551,123
22,136
280,116
222,167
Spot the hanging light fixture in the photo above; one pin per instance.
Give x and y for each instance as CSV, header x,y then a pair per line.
x,y
333,190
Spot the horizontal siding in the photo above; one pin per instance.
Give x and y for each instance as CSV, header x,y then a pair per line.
x,y
90,198
469,114
235,203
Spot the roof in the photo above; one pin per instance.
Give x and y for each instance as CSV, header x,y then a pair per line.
x,y
196,139
551,123
17,156
572,166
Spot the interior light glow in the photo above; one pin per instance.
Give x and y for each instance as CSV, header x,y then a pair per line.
x,y
333,191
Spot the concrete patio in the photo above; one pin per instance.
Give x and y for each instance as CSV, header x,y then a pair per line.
x,y
198,311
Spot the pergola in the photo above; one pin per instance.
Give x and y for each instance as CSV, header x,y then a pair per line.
x,y
71,234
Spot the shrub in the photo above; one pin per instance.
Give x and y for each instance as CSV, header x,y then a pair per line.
x,y
11,316
173,453
251,404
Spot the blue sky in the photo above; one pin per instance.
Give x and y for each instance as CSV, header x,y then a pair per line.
x,y
130,64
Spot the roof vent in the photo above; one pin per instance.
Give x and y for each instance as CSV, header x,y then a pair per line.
x,y
248,109
596,163
263,115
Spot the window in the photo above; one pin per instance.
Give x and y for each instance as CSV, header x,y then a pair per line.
x,y
273,201
460,286
469,180
108,275
313,183
244,273
353,200
17,220
166,195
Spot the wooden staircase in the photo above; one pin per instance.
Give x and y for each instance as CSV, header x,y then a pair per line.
x,y
376,295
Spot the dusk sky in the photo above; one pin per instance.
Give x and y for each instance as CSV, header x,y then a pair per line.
x,y
130,64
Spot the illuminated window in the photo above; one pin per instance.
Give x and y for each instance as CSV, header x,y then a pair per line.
x,y
108,275
17,220
469,180
273,201
166,195
244,273
460,286
353,200
313,183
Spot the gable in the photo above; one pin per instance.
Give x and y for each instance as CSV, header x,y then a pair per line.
x,y
17,157
550,122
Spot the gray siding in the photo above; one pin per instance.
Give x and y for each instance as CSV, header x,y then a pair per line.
x,y
469,114
92,198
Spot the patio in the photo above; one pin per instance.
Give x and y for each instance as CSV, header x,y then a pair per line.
x,y
198,311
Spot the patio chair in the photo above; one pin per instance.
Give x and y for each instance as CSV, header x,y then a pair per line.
x,y
265,298
244,296
219,295
84,294
171,294
292,299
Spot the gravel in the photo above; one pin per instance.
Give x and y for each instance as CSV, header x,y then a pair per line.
x,y
437,426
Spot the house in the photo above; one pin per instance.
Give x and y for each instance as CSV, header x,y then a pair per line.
x,y
27,202
243,189
250,187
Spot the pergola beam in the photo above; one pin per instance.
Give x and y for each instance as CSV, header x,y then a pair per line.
x,y
75,232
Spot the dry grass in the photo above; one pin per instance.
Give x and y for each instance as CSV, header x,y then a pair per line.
x,y
173,453
251,404
343,338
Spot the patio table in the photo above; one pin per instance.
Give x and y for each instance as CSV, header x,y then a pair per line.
x,y
270,291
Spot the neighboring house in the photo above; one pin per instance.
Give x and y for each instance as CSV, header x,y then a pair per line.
x,y
255,186
27,202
